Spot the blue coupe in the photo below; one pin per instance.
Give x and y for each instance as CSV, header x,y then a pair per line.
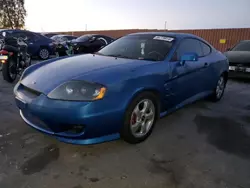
x,y
122,90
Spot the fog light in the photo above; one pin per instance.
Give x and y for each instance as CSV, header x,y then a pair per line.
x,y
76,129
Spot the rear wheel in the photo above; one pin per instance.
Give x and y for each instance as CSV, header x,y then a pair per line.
x,y
28,60
9,71
220,88
140,118
43,53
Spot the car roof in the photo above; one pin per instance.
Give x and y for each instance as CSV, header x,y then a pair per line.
x,y
15,30
169,34
245,41
12,30
65,35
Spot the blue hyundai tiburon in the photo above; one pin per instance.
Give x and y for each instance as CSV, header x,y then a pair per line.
x,y
122,90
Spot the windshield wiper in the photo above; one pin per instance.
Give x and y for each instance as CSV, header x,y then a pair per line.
x,y
97,53
119,55
149,59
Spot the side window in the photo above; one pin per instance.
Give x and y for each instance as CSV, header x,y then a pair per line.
x,y
205,48
32,37
63,39
16,34
22,34
187,46
70,37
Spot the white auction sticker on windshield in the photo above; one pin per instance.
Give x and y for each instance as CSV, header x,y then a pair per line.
x,y
168,39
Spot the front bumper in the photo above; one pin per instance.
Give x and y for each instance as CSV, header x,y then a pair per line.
x,y
239,72
98,122
233,74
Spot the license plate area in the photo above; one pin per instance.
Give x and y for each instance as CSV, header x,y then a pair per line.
x,y
3,57
240,69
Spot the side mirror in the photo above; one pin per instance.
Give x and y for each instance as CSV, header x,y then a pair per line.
x,y
228,49
189,57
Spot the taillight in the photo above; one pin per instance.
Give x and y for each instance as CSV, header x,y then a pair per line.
x,y
4,52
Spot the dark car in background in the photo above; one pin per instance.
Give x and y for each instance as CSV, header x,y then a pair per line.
x,y
90,43
49,35
63,38
38,45
62,44
239,59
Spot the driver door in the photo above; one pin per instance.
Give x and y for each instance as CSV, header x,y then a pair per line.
x,y
186,77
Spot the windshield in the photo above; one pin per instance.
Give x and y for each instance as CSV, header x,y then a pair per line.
x,y
83,38
55,37
7,33
144,47
242,46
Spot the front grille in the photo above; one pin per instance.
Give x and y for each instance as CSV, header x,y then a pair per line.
x,y
59,129
240,64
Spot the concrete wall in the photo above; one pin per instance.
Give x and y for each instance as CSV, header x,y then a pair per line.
x,y
232,36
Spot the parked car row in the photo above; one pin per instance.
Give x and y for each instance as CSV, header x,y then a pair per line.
x,y
44,45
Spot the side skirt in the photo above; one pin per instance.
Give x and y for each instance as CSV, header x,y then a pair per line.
x,y
186,102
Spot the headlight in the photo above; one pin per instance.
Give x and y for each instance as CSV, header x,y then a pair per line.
x,y
78,91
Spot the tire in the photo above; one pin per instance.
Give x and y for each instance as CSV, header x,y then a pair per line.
x,y
132,133
43,53
219,89
29,59
6,71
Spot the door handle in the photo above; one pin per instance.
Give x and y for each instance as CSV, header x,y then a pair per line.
x,y
206,64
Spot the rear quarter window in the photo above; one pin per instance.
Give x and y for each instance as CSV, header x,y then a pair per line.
x,y
205,49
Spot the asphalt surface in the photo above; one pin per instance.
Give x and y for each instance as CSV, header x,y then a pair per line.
x,y
204,145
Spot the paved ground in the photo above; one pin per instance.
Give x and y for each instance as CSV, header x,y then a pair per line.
x,y
204,145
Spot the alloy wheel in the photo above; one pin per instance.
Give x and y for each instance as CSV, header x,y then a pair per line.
x,y
142,118
220,87
44,54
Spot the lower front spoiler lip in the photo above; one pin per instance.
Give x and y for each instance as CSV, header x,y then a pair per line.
x,y
79,141
90,141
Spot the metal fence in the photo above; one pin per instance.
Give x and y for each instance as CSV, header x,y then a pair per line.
x,y
221,39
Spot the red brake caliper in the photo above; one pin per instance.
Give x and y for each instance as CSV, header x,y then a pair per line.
x,y
133,121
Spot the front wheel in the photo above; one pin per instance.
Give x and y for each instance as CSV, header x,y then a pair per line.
x,y
140,118
9,70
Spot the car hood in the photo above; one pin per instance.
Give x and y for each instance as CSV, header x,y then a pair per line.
x,y
80,67
238,56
